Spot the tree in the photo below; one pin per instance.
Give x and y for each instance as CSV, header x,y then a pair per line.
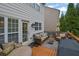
x,y
67,23
62,21
77,9
76,30
70,18
70,22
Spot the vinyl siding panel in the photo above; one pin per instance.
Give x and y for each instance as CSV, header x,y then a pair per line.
x,y
23,11
19,10
51,19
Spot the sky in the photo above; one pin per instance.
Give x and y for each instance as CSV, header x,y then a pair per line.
x,y
59,6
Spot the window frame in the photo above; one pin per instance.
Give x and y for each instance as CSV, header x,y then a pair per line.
x,y
2,33
2,24
38,26
13,29
36,6
12,25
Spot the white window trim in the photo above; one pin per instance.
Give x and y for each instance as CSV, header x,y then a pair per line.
x,y
12,27
19,30
2,33
24,21
12,32
6,29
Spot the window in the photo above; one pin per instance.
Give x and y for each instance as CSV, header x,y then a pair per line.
x,y
1,24
37,26
12,25
12,30
1,39
24,31
13,37
33,5
1,30
36,6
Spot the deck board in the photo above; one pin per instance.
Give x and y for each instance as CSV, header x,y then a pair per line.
x,y
43,51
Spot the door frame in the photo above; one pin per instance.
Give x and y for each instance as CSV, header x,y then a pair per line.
x,y
24,21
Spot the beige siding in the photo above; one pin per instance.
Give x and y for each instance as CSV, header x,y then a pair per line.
x,y
51,19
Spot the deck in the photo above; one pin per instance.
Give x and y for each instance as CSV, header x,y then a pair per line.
x,y
63,47
68,47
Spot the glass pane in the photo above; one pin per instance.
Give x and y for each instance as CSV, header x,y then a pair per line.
x,y
39,28
24,32
1,24
39,24
33,5
12,25
9,29
24,27
9,37
36,28
13,21
1,39
16,24
9,20
13,30
9,24
13,37
37,7
1,30
17,21
36,23
16,30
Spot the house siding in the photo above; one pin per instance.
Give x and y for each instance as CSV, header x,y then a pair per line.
x,y
51,19
22,11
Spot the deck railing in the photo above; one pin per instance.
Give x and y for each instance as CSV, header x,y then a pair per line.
x,y
74,36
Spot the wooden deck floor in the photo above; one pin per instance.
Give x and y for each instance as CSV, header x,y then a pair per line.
x,y
46,49
43,51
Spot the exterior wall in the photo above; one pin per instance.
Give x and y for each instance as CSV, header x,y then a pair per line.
x,y
21,11
51,19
